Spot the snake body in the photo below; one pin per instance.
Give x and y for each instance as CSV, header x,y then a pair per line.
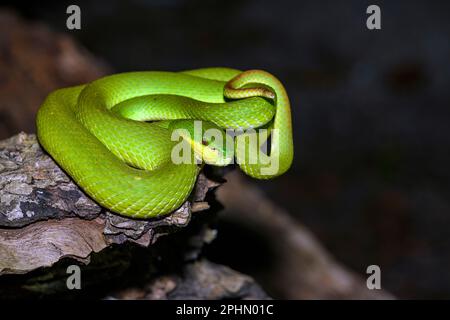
x,y
97,132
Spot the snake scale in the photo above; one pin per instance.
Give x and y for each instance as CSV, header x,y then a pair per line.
x,y
113,136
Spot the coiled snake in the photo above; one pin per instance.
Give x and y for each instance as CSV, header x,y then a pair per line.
x,y
99,135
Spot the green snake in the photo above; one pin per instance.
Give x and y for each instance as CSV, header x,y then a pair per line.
x,y
114,136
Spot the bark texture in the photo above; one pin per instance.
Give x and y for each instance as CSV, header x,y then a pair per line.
x,y
45,217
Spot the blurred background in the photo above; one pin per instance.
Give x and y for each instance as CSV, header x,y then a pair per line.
x,y
370,113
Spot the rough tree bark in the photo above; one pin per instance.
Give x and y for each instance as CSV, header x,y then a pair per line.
x,y
45,217
47,221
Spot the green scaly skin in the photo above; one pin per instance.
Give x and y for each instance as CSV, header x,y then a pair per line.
x,y
92,133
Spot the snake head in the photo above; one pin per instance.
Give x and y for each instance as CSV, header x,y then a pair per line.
x,y
210,143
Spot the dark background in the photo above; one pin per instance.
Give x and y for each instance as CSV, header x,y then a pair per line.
x,y
370,112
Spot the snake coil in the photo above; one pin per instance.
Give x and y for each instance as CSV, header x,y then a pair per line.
x,y
99,135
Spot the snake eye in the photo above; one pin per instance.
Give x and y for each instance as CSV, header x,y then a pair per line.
x,y
204,142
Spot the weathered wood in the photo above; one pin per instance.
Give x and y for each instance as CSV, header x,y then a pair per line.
x,y
45,217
